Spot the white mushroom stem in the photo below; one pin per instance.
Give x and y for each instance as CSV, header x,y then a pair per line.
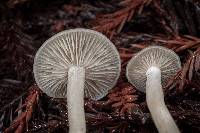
x,y
75,100
155,101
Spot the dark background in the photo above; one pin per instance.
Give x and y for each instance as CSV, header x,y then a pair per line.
x,y
131,25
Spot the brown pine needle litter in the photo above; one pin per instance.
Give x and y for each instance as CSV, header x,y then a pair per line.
x,y
132,25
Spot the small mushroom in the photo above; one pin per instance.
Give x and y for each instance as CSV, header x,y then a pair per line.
x,y
77,63
151,67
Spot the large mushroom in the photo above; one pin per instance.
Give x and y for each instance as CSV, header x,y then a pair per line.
x,y
147,70
77,63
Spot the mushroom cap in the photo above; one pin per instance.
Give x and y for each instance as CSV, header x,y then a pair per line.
x,y
77,47
163,58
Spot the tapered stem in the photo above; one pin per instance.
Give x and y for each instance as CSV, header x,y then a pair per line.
x,y
155,101
75,100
